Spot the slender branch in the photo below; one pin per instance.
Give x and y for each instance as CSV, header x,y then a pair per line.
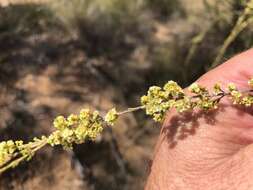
x,y
75,129
241,24
16,161
129,110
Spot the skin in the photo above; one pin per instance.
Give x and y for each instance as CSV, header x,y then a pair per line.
x,y
210,151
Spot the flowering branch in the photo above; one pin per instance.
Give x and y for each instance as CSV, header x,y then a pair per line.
x,y
87,125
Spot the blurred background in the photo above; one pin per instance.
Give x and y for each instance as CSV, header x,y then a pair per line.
x,y
58,56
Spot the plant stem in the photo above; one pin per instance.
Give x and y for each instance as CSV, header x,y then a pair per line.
x,y
17,157
16,161
129,110
241,23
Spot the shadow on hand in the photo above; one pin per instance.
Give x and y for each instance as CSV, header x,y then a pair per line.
x,y
180,126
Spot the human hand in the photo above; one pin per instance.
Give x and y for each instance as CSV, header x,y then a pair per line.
x,y
210,151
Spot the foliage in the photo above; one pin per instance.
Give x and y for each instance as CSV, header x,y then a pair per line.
x,y
243,21
228,31
164,8
105,16
24,19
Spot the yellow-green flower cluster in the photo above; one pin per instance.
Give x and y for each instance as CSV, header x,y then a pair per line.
x,y
217,90
7,148
158,100
234,93
10,150
76,128
111,116
202,98
240,98
197,89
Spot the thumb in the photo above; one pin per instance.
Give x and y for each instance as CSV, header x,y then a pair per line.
x,y
208,151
